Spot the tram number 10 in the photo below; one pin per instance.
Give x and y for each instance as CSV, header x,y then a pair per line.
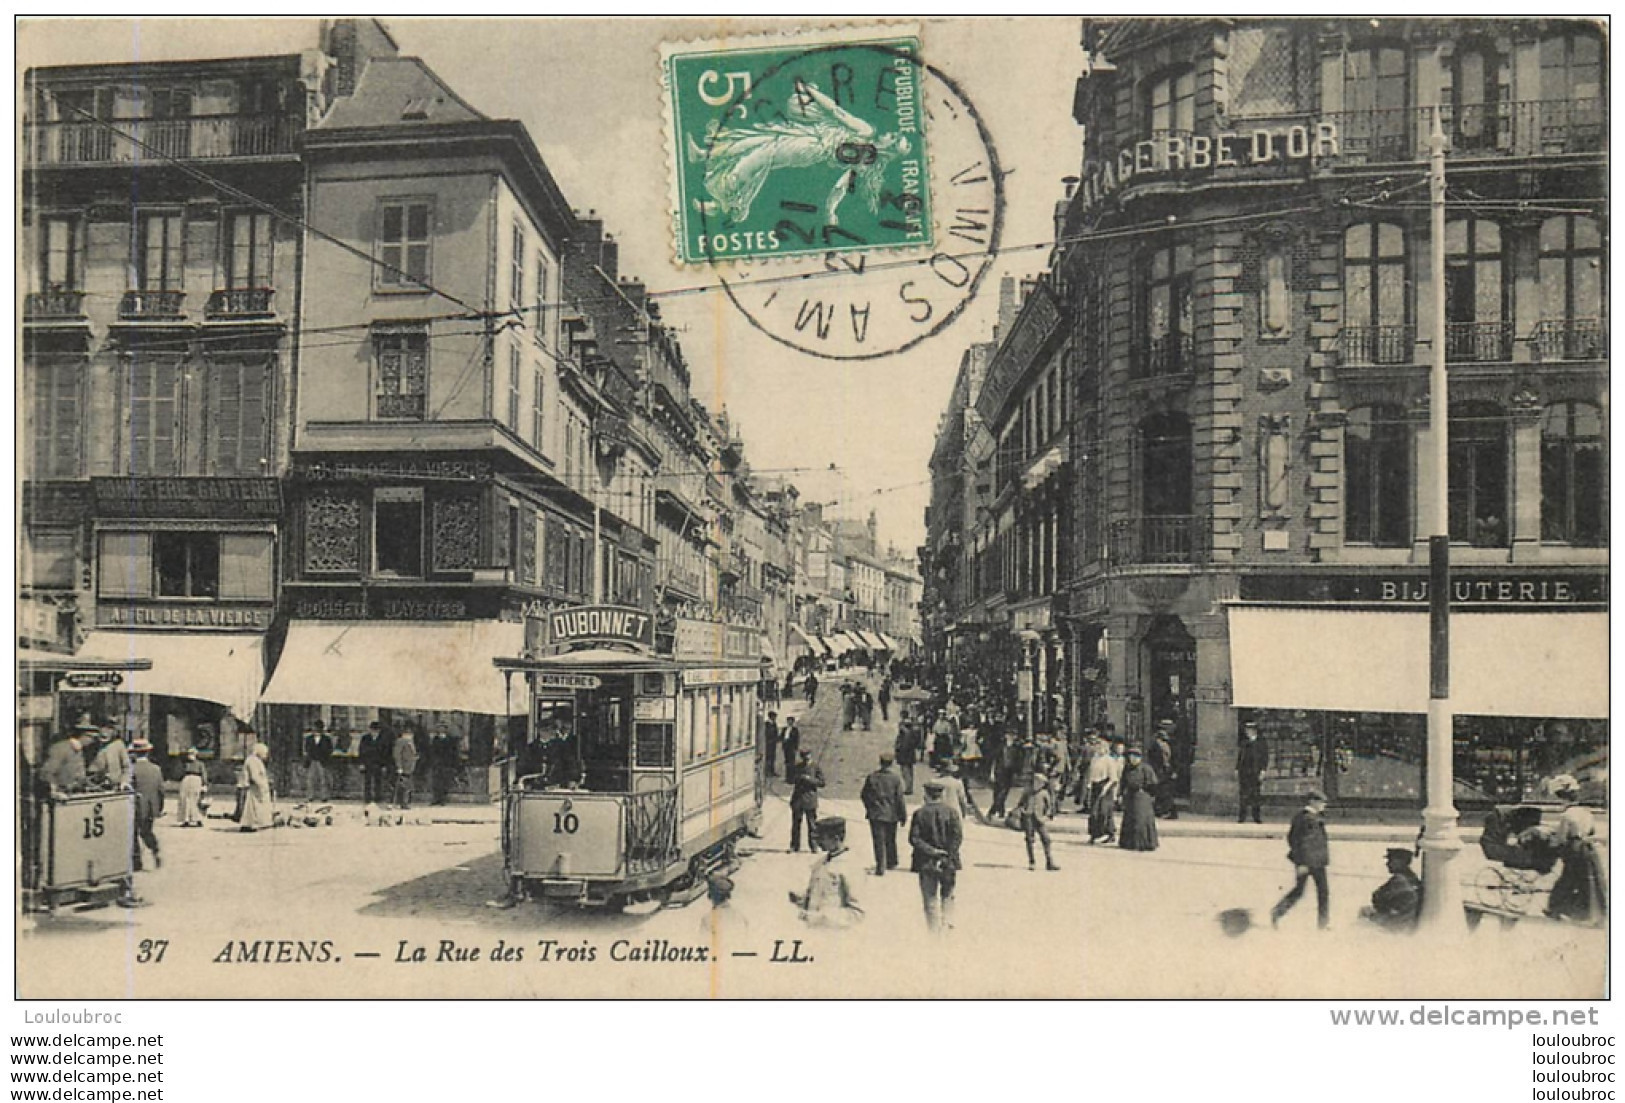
x,y
566,823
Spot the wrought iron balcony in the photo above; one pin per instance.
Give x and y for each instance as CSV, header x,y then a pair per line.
x,y
1169,354
202,137
1158,539
1477,342
1573,339
150,306
242,302
407,407
1365,345
54,306
1527,128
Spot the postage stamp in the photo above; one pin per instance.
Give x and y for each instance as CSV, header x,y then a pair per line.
x,y
785,150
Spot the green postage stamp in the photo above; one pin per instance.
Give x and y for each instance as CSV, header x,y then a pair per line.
x,y
795,148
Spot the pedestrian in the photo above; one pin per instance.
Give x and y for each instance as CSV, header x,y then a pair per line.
x,y
64,769
1252,758
443,762
789,685
1397,903
1105,780
884,808
1161,760
374,755
1306,849
907,748
770,743
943,734
148,781
405,754
257,807
812,689
1581,891
935,834
724,925
191,792
829,900
885,697
955,796
1037,809
318,753
1005,768
866,707
111,766
805,780
1139,830
792,745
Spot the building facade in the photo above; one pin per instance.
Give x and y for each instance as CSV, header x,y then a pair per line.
x,y
1245,263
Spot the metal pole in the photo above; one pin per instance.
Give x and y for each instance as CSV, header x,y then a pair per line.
x,y
1441,887
597,555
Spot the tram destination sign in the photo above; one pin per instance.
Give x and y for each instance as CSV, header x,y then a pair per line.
x,y
585,624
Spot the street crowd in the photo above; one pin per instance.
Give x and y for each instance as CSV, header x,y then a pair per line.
x,y
1122,788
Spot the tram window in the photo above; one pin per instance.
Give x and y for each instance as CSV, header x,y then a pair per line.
x,y
654,746
606,736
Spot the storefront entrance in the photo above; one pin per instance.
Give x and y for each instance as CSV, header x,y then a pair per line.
x,y
1170,690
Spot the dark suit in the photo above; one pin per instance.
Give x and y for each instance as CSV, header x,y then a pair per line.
x,y
374,755
148,782
806,780
884,807
1251,761
1307,850
936,834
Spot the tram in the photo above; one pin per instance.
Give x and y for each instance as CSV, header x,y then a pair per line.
x,y
638,771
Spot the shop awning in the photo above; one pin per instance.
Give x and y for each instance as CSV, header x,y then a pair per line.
x,y
226,668
873,641
441,666
808,643
836,645
1501,664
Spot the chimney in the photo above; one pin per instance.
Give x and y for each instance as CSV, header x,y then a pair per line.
x,y
609,256
634,289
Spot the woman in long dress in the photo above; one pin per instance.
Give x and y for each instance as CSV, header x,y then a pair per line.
x,y
191,811
257,808
1581,891
1139,830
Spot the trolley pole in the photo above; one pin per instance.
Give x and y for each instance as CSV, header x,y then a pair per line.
x,y
1441,888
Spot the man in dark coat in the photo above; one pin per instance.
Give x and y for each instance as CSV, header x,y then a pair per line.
x,y
805,780
907,747
1398,901
374,754
1160,757
318,753
148,782
770,744
883,806
1251,760
936,835
811,687
444,756
1308,853
792,744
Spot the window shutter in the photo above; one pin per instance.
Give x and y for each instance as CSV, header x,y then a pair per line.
x,y
245,567
124,565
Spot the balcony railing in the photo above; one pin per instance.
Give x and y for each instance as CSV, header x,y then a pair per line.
x,y
1378,344
1574,339
1165,539
1477,342
404,406
1169,354
204,137
1528,128
246,302
149,306
54,305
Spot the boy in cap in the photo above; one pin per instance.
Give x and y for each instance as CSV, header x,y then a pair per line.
x,y
1398,901
1037,809
828,901
1307,851
723,922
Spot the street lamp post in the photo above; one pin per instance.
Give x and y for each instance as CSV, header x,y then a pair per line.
x,y
1441,888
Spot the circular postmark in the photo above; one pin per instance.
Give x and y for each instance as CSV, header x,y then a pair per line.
x,y
848,195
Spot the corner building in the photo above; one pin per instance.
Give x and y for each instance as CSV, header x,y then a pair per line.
x,y
1243,266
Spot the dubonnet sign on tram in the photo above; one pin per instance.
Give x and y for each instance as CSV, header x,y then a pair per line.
x,y
600,624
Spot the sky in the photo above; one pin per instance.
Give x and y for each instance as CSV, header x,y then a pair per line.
x,y
588,91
